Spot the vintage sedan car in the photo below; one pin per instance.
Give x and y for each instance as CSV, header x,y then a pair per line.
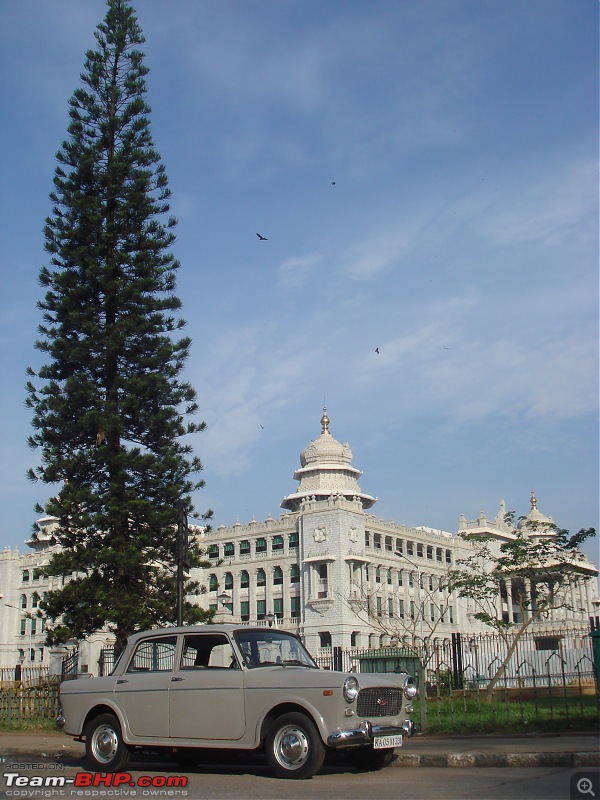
x,y
235,687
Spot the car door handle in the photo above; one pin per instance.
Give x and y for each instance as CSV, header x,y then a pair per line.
x,y
177,679
122,680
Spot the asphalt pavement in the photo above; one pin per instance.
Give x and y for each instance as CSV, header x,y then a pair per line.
x,y
577,750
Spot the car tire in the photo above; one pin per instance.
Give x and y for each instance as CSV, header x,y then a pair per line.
x,y
104,745
366,759
293,747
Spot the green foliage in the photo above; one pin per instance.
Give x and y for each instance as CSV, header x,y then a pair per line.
x,y
109,408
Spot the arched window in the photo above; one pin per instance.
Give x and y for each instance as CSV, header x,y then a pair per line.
x,y
228,581
244,579
295,573
277,576
261,578
213,583
35,600
23,601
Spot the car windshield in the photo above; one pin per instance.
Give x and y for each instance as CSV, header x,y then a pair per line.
x,y
267,648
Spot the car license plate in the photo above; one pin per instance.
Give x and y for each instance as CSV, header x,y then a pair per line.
x,y
383,742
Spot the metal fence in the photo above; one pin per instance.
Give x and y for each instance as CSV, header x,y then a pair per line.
x,y
29,703
31,675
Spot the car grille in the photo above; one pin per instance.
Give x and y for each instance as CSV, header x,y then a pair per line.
x,y
379,702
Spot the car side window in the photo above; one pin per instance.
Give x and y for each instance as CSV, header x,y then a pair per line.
x,y
207,651
154,655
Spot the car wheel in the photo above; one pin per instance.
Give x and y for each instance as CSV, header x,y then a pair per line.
x,y
293,747
104,745
368,760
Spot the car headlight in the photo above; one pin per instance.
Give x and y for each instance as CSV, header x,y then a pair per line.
x,y
350,689
410,690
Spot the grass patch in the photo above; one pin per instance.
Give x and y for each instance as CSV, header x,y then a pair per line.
x,y
33,724
473,715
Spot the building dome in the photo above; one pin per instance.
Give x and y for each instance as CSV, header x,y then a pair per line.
x,y
536,523
326,449
326,470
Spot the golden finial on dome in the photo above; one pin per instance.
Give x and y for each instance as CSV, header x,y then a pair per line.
x,y
533,500
325,421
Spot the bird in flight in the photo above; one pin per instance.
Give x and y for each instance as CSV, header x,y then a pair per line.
x,y
333,183
262,238
377,350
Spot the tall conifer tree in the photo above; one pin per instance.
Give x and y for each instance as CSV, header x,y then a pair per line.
x,y
110,410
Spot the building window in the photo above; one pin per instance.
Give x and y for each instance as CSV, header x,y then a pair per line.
x,y
245,610
411,580
23,601
244,579
278,607
324,639
400,578
354,638
379,611
419,550
33,627
438,554
322,590
25,576
367,539
399,546
37,574
277,576
295,573
23,626
228,581
294,541
228,550
213,583
401,608
213,551
410,548
448,557
245,547
261,609
430,552
35,600
295,607
547,643
390,606
388,544
261,578
389,577
277,543
261,545
377,541
377,574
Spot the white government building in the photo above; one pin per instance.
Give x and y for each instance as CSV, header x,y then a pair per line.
x,y
313,570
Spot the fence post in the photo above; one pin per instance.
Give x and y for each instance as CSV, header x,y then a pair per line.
x,y
422,697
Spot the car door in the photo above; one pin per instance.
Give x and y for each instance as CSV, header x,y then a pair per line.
x,y
206,698
142,691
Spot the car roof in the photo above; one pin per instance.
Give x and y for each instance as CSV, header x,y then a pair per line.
x,y
228,628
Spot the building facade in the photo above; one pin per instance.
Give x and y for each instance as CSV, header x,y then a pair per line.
x,y
327,568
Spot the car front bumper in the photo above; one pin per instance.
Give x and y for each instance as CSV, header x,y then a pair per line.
x,y
366,732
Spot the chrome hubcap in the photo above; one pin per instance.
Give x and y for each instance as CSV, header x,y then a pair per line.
x,y
291,747
104,744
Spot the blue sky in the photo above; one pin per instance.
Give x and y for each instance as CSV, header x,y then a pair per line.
x,y
426,175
